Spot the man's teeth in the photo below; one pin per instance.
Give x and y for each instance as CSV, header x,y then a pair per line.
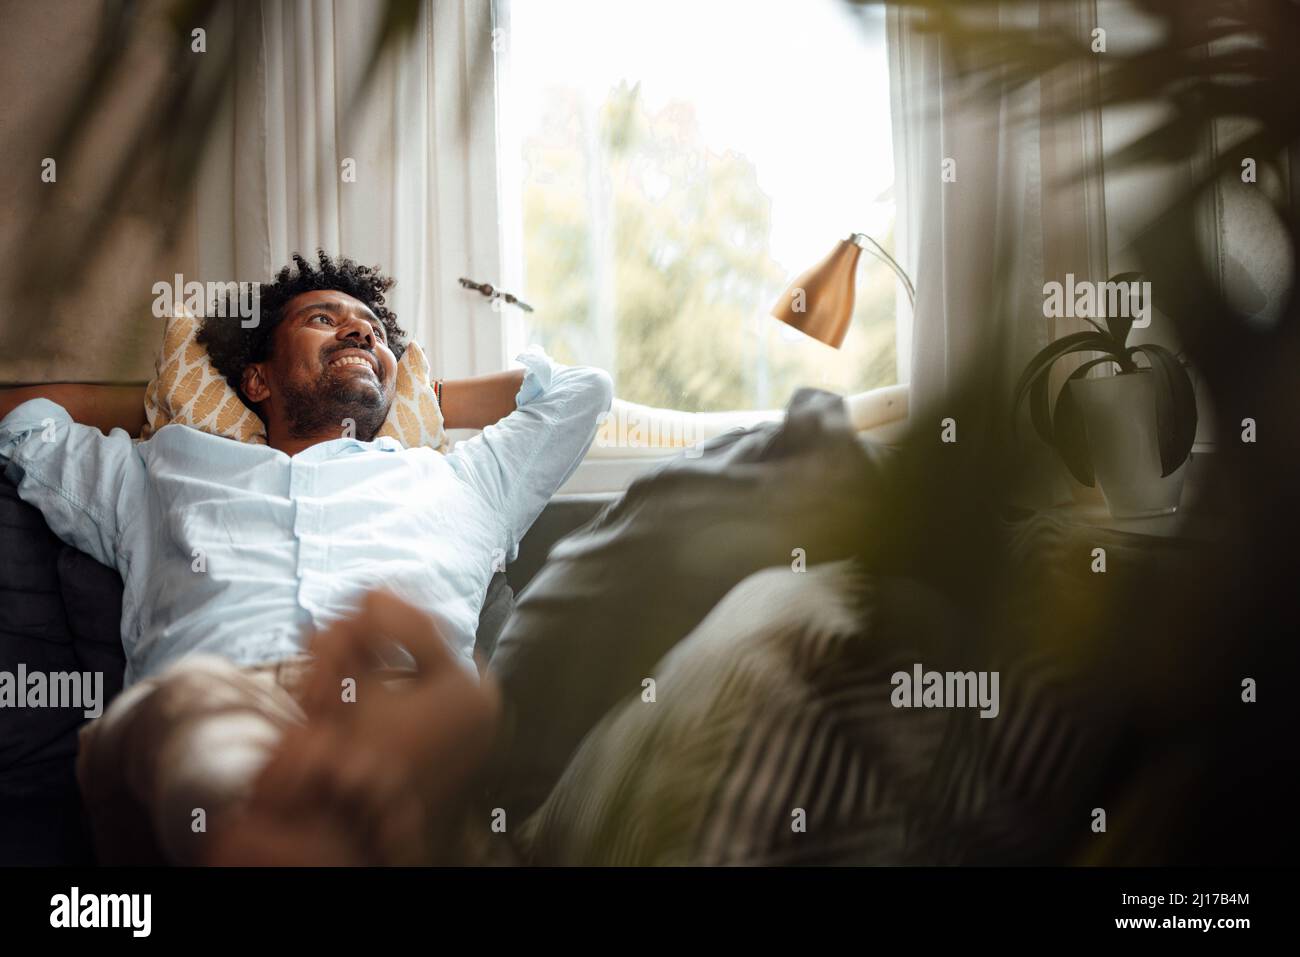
x,y
351,361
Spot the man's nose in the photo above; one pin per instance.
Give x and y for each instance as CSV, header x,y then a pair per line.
x,y
359,329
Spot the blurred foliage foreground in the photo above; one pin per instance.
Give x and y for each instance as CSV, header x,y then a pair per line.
x,y
1154,656
1191,773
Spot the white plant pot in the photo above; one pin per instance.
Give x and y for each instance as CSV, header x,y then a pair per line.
x,y
1119,416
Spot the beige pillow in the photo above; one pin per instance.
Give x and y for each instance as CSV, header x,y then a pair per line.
x,y
187,390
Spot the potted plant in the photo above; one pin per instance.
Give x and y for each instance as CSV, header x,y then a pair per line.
x,y
1130,432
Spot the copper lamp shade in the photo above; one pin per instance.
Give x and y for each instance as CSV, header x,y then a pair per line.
x,y
820,302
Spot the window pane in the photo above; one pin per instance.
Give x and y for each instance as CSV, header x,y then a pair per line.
x,y
678,164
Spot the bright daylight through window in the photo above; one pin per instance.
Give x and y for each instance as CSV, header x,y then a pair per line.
x,y
663,185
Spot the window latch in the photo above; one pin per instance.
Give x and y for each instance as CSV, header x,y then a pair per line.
x,y
488,291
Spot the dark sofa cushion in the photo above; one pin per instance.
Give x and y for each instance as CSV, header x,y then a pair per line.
x,y
562,515
40,810
498,605
34,633
618,593
92,602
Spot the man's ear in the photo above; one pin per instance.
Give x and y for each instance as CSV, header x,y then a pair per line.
x,y
253,384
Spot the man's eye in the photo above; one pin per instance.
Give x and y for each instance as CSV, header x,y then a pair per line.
x,y
324,318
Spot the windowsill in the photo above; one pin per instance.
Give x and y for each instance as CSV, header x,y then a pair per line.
x,y
634,439
1197,520
1189,525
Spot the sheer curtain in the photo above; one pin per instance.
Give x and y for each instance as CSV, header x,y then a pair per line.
x,y
404,178
1009,198
997,195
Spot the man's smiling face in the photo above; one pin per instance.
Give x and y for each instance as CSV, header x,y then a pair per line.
x,y
330,363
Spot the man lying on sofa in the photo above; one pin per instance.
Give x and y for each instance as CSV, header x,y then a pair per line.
x,y
227,743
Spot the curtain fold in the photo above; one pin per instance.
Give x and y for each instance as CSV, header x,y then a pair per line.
x,y
968,181
989,208
403,178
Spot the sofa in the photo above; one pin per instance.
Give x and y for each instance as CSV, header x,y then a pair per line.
x,y
606,592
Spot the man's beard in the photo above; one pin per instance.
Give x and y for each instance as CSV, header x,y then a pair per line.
x,y
333,403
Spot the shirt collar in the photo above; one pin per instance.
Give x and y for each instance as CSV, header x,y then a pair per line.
x,y
385,443
341,446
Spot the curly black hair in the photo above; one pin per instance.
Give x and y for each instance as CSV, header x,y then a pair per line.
x,y
231,347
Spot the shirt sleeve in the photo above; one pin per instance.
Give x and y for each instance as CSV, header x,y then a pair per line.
x,y
85,483
519,463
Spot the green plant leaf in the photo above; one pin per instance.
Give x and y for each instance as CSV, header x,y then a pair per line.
x,y
1175,406
1069,436
1093,323
1041,364
1120,326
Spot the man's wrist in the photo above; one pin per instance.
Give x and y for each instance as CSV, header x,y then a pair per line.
x,y
105,407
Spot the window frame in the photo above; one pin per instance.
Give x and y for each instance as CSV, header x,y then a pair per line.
x,y
879,413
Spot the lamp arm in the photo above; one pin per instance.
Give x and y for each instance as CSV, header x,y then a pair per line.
x,y
879,252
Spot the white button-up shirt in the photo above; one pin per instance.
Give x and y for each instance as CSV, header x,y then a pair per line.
x,y
243,551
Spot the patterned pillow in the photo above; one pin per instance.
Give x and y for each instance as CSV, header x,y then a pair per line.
x,y
773,739
187,390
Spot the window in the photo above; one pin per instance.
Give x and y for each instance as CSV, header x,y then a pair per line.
x,y
668,168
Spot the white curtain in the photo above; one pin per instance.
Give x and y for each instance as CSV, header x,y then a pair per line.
x,y
1010,199
1026,195
274,184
